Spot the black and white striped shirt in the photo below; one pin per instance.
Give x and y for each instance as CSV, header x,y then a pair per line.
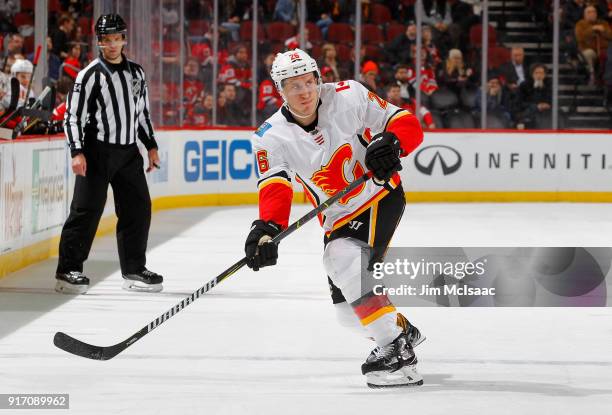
x,y
109,102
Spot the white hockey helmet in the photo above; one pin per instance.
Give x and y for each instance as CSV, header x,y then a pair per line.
x,y
292,63
22,65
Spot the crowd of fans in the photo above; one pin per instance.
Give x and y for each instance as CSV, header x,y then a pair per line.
x,y
518,92
66,45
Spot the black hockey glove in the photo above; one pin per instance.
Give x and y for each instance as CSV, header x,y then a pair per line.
x,y
383,156
260,252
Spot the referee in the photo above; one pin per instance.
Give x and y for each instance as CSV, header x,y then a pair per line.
x,y
107,109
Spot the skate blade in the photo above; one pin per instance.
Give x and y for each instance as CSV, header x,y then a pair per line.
x,y
404,377
63,287
137,286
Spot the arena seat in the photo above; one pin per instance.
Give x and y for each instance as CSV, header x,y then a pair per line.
x,y
341,33
372,34
279,31
380,13
246,31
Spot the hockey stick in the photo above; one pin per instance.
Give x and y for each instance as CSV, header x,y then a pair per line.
x,y
79,348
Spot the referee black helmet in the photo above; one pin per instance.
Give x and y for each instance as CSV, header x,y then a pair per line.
x,y
109,24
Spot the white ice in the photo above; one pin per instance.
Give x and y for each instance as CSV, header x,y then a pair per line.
x,y
268,342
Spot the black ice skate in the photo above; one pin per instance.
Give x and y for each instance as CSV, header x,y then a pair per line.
x,y
143,281
73,282
414,335
392,366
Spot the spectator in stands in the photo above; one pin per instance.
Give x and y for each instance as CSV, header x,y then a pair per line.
x,y
235,113
441,37
170,103
428,85
72,63
284,11
169,13
402,79
369,73
192,84
398,51
294,42
199,8
202,51
463,18
328,75
323,23
265,67
456,75
535,99
62,36
572,13
62,89
231,28
436,12
592,35
394,97
516,71
326,12
7,11
328,58
499,100
223,118
432,49
608,11
53,61
196,113
202,111
268,100
237,71
14,46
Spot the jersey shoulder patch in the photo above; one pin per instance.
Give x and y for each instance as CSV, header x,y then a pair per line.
x,y
263,128
342,86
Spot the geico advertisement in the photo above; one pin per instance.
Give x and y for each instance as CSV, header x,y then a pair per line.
x,y
517,162
218,159
205,162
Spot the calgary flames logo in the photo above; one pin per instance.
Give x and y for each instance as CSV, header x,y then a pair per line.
x,y
331,178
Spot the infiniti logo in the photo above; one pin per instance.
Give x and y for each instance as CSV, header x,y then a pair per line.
x,y
427,158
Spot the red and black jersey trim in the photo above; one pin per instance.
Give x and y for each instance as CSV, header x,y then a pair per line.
x,y
309,189
282,174
391,117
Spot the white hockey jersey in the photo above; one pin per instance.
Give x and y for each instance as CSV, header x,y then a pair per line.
x,y
330,156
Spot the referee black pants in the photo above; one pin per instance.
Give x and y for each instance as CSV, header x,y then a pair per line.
x,y
122,168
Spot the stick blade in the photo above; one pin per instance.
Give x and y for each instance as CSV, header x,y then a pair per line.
x,y
71,345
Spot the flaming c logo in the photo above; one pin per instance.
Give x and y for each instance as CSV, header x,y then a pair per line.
x,y
331,178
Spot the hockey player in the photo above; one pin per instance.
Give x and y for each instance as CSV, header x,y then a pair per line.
x,y
321,135
22,70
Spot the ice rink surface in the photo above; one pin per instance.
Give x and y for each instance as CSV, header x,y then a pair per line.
x,y
268,342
